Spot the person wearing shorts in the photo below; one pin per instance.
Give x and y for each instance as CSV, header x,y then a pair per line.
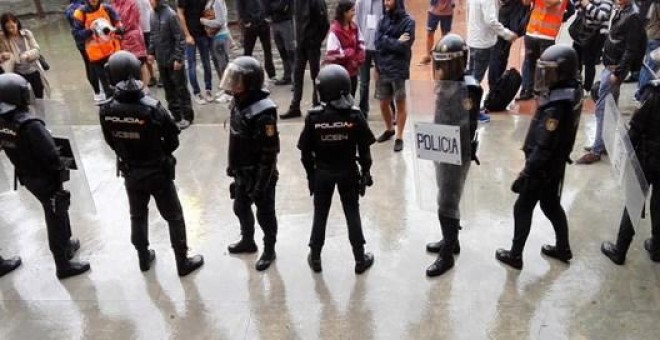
x,y
440,13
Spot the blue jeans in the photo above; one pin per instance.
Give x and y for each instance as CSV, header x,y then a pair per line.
x,y
478,63
645,75
606,87
203,44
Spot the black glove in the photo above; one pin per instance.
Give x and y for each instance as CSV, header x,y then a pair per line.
x,y
474,146
364,182
518,184
232,190
120,31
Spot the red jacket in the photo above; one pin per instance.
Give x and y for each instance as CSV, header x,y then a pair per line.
x,y
345,47
133,38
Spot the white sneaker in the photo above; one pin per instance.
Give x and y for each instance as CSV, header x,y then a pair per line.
x,y
99,97
199,99
208,96
183,124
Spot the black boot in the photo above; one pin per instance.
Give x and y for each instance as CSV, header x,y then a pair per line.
x,y
441,265
562,254
436,247
314,260
146,256
243,246
610,250
67,268
507,257
292,113
72,248
187,264
266,258
363,261
654,254
7,265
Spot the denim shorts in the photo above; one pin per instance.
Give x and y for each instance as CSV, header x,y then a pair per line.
x,y
388,89
433,20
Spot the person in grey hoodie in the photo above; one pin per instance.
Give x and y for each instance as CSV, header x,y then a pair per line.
x,y
167,48
367,15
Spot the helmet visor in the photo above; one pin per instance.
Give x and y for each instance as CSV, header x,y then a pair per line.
x,y
451,69
545,76
232,80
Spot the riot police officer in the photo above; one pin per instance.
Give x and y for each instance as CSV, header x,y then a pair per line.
x,y
254,143
457,103
332,135
643,133
32,150
143,135
7,265
547,148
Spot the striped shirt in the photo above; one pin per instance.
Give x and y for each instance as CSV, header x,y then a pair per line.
x,y
597,13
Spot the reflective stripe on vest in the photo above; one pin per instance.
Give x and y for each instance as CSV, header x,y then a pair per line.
x,y
95,47
545,22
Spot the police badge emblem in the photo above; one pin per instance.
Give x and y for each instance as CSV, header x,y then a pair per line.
x,y
467,104
551,124
270,130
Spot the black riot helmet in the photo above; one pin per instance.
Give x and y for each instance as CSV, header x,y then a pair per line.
x,y
450,56
15,92
334,86
243,74
124,72
558,63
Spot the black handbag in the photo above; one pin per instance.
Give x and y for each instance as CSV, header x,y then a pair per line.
x,y
43,62
582,33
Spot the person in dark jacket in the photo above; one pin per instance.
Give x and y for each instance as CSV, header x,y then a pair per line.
x,y
645,139
394,40
312,25
280,14
143,136
623,48
547,148
335,139
32,150
513,15
252,17
167,47
92,78
254,143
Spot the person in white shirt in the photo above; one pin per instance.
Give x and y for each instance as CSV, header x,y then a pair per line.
x,y
144,6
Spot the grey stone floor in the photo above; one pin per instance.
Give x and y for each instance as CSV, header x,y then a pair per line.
x,y
228,299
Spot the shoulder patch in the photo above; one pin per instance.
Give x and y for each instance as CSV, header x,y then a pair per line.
x,y
270,130
467,104
551,124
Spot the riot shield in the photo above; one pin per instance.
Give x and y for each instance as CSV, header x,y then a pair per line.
x,y
57,116
625,165
441,137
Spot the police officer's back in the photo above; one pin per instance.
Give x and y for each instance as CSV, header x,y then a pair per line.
x,y
335,137
143,135
547,148
254,143
32,150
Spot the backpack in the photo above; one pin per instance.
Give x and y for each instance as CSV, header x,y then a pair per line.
x,y
502,93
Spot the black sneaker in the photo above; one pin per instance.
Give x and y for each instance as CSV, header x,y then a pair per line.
x,y
265,260
506,257
68,268
292,113
398,145
385,136
72,248
146,257
440,266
